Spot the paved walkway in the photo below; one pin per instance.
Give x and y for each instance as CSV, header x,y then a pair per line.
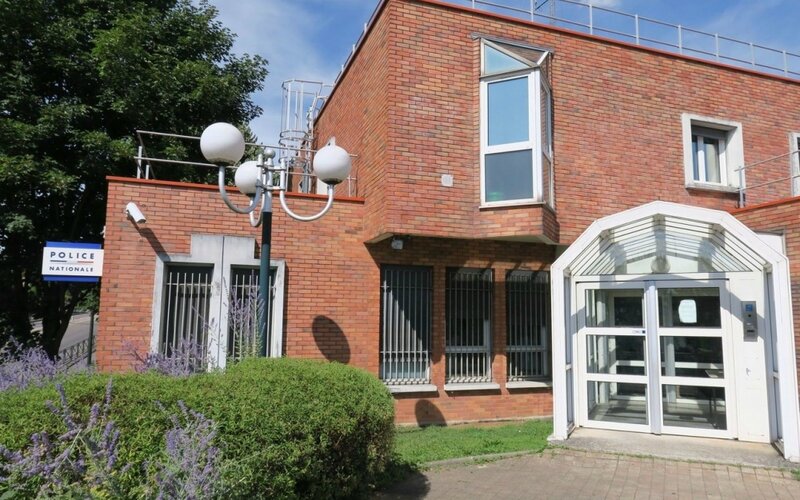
x,y
577,474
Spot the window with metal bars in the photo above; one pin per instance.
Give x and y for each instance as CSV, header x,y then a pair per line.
x,y
244,338
468,318
528,324
406,302
186,303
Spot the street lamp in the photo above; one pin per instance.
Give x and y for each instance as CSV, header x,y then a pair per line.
x,y
223,144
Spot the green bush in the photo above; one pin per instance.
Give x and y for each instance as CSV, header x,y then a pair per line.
x,y
288,428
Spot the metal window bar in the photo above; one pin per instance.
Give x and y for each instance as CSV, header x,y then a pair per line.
x,y
244,339
528,325
186,301
406,304
468,317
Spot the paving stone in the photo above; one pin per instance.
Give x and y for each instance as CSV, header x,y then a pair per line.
x,y
569,474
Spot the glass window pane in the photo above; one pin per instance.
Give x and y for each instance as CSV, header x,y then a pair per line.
x,y
509,176
712,159
615,308
689,308
615,402
508,111
495,61
692,357
619,354
695,160
695,407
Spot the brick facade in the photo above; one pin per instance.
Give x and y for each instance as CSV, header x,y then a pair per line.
x,y
332,293
408,106
781,218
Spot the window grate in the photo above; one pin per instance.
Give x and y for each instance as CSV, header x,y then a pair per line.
x,y
406,302
244,338
187,296
468,325
528,323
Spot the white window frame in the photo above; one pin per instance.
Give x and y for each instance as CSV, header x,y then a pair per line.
x,y
731,151
534,142
794,147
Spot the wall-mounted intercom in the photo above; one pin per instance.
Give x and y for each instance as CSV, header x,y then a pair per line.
x,y
750,320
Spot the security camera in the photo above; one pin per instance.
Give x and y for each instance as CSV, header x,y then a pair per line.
x,y
132,211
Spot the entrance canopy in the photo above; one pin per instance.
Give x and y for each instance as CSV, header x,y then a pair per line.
x,y
662,239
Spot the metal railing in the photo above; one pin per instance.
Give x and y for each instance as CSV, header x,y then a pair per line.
x,y
76,353
584,17
301,179
766,187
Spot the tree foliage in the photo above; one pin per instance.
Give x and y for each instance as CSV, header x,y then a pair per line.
x,y
79,77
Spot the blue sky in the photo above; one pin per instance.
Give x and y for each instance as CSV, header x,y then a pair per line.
x,y
310,39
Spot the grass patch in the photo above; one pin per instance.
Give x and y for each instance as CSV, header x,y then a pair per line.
x,y
429,444
796,474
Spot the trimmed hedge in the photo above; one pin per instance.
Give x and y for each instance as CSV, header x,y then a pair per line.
x,y
288,428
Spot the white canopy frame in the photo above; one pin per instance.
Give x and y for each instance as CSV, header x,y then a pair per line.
x,y
740,249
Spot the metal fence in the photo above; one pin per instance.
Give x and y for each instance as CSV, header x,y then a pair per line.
x,y
468,316
767,180
406,303
587,18
528,322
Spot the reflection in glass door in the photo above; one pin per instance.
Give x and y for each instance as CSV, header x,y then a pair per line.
x,y
693,353
627,329
613,344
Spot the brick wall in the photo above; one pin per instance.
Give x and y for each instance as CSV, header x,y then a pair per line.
x,y
784,218
332,296
618,134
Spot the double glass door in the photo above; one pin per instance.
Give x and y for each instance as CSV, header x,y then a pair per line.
x,y
654,356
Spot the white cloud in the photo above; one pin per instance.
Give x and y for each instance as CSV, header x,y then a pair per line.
x,y
286,34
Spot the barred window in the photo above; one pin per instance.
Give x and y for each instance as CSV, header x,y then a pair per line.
x,y
528,323
186,306
244,338
468,325
405,325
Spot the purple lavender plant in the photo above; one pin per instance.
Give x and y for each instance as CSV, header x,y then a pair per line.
x,y
190,468
23,367
185,359
80,460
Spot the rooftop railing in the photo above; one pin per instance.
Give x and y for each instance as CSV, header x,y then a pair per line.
x,y
767,180
584,17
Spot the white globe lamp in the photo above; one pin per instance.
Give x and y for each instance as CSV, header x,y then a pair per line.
x,y
332,164
222,143
246,177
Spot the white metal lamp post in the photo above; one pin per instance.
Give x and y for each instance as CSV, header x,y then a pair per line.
x,y
223,144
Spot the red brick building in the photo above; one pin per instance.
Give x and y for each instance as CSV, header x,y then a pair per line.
x,y
486,146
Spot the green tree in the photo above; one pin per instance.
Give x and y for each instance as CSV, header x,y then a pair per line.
x,y
78,77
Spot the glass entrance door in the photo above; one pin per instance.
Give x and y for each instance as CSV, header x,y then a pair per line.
x,y
654,357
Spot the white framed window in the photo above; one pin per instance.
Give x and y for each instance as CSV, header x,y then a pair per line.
x,y
794,145
527,325
515,124
713,152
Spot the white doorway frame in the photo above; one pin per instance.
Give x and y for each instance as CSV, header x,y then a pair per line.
x,y
775,275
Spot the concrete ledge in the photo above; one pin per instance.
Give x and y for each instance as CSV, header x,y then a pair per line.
x,y
408,389
529,384
484,386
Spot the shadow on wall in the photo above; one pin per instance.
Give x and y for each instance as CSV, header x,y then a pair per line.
x,y
330,339
427,413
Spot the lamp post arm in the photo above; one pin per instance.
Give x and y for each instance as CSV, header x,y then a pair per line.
x,y
309,217
224,194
